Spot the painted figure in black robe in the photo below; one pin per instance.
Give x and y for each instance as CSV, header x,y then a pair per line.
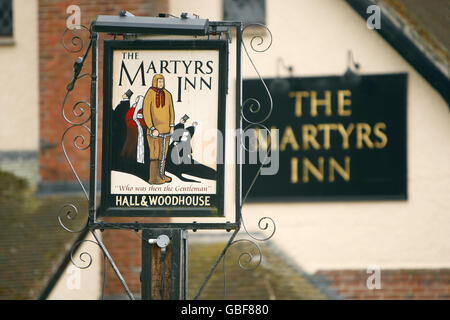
x,y
119,130
120,162
178,163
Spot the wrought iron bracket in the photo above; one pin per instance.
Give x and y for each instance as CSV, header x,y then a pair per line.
x,y
70,211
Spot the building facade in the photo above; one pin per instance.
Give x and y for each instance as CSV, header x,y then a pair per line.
x,y
338,244
19,128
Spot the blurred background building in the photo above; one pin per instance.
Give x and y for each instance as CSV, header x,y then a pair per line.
x,y
323,249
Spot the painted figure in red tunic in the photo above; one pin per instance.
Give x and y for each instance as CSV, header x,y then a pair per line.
x,y
133,148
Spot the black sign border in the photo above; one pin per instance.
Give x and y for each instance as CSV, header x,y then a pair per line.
x,y
403,195
107,207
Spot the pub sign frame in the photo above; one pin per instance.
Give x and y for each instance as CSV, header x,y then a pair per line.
x,y
157,200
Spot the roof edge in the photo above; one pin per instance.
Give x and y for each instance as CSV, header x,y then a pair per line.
x,y
64,262
407,48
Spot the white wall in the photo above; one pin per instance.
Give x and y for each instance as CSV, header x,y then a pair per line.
x,y
314,37
19,65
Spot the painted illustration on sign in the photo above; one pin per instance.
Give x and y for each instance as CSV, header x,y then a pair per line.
x,y
164,129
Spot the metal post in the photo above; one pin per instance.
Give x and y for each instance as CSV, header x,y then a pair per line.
x,y
113,265
238,121
93,137
164,265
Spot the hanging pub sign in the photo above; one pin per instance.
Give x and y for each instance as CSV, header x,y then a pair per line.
x,y
163,124
340,138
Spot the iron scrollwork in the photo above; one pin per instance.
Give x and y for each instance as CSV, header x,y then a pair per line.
x,y
246,260
78,118
253,106
89,261
70,212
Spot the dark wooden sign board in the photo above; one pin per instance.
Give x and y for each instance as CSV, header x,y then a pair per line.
x,y
340,138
